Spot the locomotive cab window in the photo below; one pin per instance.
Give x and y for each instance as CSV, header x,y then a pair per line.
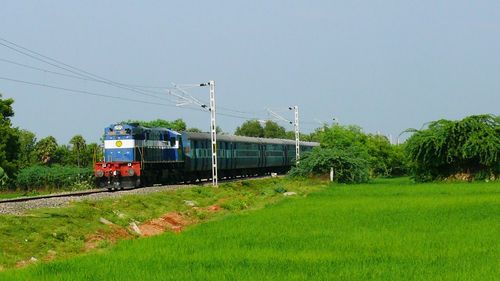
x,y
173,142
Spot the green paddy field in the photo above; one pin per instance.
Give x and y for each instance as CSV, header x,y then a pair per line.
x,y
385,230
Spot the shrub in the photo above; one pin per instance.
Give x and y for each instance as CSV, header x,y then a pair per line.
x,y
384,159
349,165
55,177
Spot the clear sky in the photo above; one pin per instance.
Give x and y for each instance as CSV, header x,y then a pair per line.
x,y
383,65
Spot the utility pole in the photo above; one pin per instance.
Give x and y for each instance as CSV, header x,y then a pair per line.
x,y
295,125
297,133
184,98
213,132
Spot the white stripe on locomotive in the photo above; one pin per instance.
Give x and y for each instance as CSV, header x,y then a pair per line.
x,y
110,144
113,144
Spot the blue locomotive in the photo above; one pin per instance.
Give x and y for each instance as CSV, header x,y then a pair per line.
x,y
139,156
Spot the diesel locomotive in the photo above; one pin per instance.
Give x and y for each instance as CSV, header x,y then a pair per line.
x,y
139,156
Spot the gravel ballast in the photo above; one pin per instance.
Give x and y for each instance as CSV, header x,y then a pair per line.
x,y
19,208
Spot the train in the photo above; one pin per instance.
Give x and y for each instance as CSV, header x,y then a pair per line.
x,y
137,156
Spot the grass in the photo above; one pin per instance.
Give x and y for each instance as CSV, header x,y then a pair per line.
x,y
17,194
11,194
65,231
386,230
7,194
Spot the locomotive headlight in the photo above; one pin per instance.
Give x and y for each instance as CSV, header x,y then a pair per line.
x,y
100,173
131,172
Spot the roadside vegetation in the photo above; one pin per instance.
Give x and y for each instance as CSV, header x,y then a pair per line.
x,y
389,229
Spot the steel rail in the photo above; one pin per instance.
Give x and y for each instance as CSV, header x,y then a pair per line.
x,y
53,195
203,182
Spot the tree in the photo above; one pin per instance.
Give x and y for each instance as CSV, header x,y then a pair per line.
x,y
9,140
273,130
290,135
93,153
385,159
176,125
446,148
251,128
63,156
194,130
78,146
45,150
27,141
316,135
219,131
343,136
348,167
342,148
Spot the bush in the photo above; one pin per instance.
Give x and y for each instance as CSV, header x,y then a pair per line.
x,y
55,177
348,165
384,159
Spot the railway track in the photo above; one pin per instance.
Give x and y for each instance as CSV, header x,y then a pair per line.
x,y
53,195
95,191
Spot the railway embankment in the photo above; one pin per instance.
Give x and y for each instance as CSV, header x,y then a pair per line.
x,y
54,228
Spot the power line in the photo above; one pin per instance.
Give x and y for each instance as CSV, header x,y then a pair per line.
x,y
46,70
101,79
74,76
87,76
59,73
113,97
108,96
72,69
82,91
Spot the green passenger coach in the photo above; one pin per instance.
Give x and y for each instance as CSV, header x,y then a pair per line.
x,y
238,156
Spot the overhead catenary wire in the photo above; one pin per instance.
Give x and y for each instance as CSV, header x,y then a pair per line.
x,y
76,76
82,91
101,79
77,73
74,70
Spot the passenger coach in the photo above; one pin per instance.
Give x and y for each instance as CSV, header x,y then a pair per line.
x,y
238,156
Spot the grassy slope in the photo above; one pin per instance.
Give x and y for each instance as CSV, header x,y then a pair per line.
x,y
60,233
389,230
